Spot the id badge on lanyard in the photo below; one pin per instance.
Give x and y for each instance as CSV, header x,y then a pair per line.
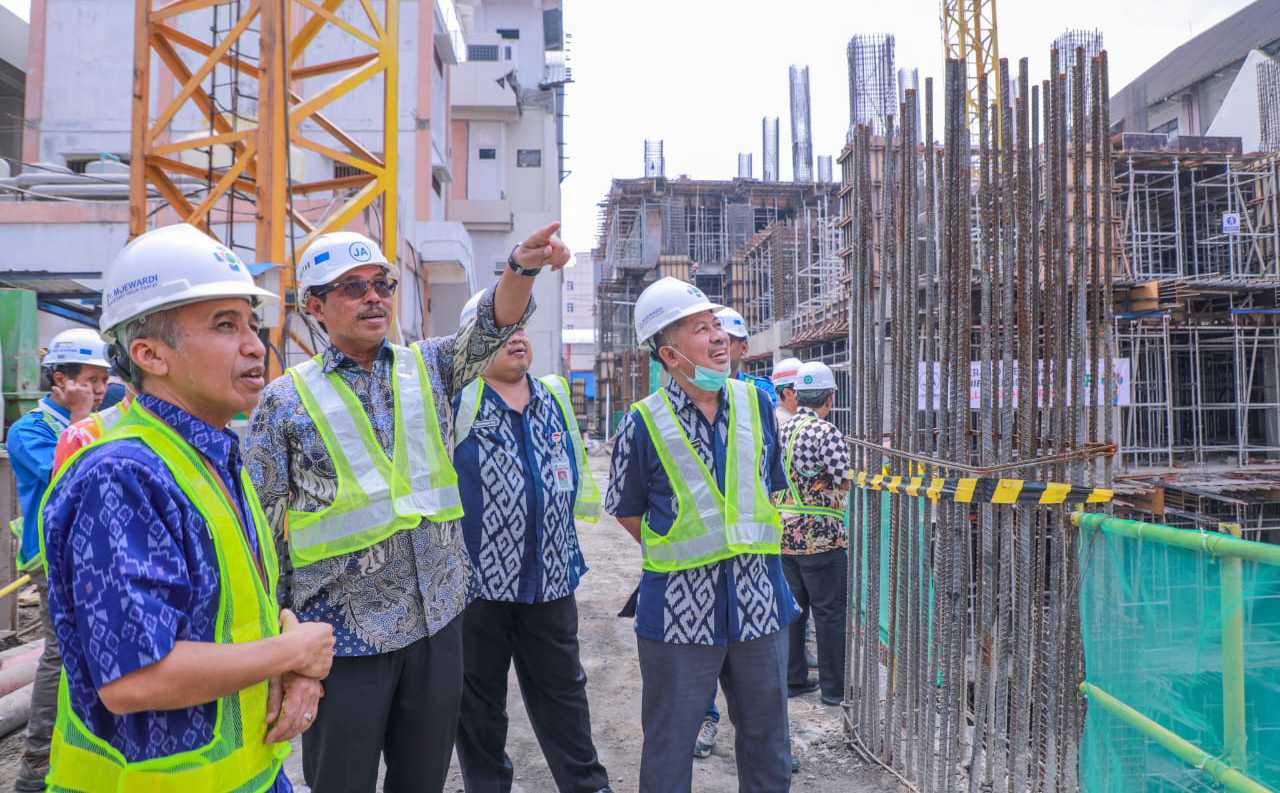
x,y
561,471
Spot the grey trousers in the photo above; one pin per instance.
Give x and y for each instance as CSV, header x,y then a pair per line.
x,y
44,701
676,678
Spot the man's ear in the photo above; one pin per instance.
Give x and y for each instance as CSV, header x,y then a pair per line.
x,y
146,354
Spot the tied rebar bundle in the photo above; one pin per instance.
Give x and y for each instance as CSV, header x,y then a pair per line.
x,y
980,277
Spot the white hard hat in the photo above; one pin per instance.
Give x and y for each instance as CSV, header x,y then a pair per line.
x,y
732,322
469,308
78,345
814,376
335,253
784,371
168,267
665,301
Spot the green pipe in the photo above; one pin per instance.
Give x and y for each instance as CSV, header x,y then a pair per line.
x,y
1232,599
1203,542
1184,750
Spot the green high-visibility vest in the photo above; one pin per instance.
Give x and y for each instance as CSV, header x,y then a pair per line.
x,y
236,758
376,497
792,503
710,525
586,505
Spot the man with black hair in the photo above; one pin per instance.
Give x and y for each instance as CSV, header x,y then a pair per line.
x,y
74,372
693,467
814,559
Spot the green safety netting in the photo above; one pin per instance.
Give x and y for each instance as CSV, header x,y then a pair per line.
x,y
1167,623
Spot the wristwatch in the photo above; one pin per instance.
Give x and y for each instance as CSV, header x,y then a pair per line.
x,y
528,272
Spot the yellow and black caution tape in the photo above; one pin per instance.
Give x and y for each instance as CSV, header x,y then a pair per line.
x,y
983,490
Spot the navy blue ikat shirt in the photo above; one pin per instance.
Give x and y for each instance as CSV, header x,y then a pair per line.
x,y
132,571
735,600
518,527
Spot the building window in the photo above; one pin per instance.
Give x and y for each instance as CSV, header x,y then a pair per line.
x,y
436,186
482,52
528,158
568,308
1167,128
568,285
510,34
488,154
506,53
499,267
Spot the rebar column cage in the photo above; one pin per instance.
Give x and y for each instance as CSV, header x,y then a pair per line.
x,y
801,125
1269,104
872,94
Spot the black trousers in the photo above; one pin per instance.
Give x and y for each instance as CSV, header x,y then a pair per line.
x,y
402,705
819,583
542,640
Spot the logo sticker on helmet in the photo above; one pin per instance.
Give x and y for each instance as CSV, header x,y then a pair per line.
x,y
360,252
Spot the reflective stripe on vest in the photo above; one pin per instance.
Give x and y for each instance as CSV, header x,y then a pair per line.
x,y
468,409
236,758
709,526
586,505
793,504
376,496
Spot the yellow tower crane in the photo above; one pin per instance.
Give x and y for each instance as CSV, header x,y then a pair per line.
x,y
969,35
246,82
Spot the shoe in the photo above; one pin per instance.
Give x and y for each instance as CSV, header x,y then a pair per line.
x,y
834,702
809,687
706,738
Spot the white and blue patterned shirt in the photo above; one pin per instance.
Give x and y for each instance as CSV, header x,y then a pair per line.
x,y
735,600
412,584
518,527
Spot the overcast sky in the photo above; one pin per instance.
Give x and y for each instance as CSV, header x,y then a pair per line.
x,y
700,74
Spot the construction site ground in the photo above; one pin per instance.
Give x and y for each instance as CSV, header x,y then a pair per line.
x,y
613,688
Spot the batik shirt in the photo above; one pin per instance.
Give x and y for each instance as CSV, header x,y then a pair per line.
x,y
518,524
413,583
133,571
819,465
741,598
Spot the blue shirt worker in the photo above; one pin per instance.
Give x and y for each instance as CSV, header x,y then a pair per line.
x,y
693,466
74,371
350,454
523,475
739,340
180,671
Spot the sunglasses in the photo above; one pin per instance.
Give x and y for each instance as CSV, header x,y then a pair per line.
x,y
356,288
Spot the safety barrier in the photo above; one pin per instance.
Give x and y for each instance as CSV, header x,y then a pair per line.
x,y
1181,635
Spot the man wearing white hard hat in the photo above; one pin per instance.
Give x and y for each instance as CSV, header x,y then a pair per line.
x,y
74,371
814,555
523,476
180,671
784,379
693,466
350,453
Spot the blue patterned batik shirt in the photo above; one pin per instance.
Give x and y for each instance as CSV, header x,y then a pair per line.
x,y
735,600
518,528
412,584
132,571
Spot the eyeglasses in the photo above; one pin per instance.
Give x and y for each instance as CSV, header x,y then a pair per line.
x,y
356,288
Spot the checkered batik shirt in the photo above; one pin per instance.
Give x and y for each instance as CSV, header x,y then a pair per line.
x,y
819,462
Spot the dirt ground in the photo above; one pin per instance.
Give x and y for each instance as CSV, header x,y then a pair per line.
x,y
613,675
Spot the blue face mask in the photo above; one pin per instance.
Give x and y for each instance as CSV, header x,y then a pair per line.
x,y
705,377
